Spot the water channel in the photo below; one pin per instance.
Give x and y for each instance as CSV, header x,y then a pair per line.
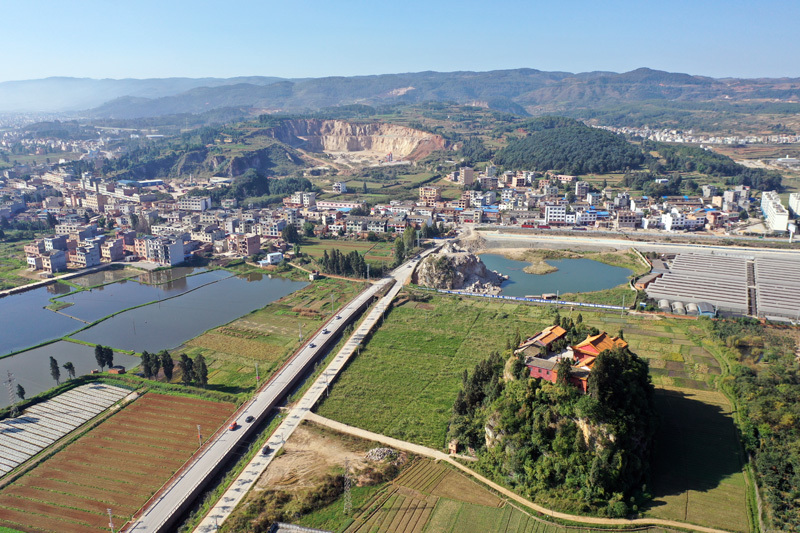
x,y
573,275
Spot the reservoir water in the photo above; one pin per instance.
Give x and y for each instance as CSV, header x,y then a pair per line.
x,y
573,275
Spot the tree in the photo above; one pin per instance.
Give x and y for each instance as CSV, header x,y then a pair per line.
x,y
134,220
200,371
289,234
167,364
579,320
365,188
187,369
55,371
70,368
308,229
20,392
408,238
108,356
399,250
743,214
100,356
147,364
563,368
51,220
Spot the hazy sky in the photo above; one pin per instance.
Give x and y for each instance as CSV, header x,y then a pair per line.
x,y
312,38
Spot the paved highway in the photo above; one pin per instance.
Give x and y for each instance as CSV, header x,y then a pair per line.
x,y
587,239
158,515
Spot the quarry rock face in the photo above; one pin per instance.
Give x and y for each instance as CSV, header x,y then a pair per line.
x,y
317,135
455,268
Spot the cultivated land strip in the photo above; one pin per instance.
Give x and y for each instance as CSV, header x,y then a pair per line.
x,y
441,456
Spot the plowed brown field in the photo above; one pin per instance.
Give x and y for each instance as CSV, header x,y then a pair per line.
x,y
117,465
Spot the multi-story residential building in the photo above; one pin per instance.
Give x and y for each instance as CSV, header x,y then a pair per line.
x,y
581,189
376,225
355,224
593,198
339,187
328,204
674,220
271,228
776,216
164,251
794,204
194,203
87,256
429,195
55,261
244,244
466,176
585,218
113,250
35,248
210,233
627,219
555,214
306,199
55,242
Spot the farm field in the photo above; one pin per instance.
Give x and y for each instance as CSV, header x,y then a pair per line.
x,y
405,381
698,474
433,498
266,337
436,341
117,465
373,251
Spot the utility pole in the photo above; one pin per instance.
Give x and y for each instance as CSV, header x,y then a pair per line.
x,y
256,374
367,270
300,330
110,520
199,436
622,311
348,496
11,400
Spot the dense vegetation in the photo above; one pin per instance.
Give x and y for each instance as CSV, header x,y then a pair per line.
x,y
686,158
589,452
257,188
473,150
769,398
570,147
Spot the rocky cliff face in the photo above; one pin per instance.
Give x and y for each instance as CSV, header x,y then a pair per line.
x,y
316,135
454,268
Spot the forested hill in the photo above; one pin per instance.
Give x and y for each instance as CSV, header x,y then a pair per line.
x,y
565,145
517,91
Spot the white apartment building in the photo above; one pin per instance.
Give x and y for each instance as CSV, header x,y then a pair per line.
x,y
555,214
194,203
776,216
794,204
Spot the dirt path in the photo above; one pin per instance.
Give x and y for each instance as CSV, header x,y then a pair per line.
x,y
440,456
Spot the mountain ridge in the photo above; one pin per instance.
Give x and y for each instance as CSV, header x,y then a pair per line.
x,y
519,91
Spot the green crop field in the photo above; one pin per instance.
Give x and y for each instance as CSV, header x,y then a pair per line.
x,y
405,381
409,373
698,475
268,336
373,251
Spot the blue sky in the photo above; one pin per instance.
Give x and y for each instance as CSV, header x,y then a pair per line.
x,y
311,38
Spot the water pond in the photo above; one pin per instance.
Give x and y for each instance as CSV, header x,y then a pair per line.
x,y
573,275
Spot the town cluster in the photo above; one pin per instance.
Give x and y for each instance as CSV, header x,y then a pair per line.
x,y
544,200
690,137
153,225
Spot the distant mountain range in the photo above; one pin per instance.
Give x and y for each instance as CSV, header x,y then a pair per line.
x,y
520,91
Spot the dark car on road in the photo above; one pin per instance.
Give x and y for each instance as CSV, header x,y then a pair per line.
x,y
249,419
265,450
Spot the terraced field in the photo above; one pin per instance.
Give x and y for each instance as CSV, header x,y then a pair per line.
x,y
431,498
117,465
